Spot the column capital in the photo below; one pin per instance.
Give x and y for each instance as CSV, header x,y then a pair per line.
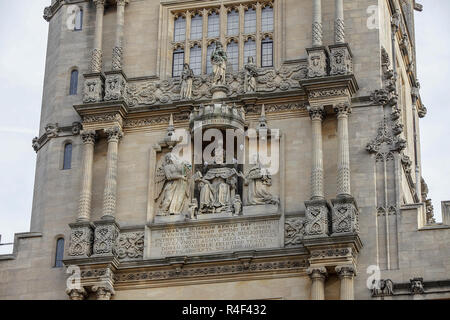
x,y
88,136
114,134
76,294
99,3
347,271
342,109
104,291
316,112
122,2
317,273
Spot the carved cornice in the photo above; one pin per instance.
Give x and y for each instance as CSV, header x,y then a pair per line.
x,y
53,130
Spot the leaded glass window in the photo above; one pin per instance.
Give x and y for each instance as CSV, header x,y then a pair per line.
x,y
213,25
196,60
209,52
178,62
250,50
233,55
267,52
267,19
180,29
250,21
196,27
233,23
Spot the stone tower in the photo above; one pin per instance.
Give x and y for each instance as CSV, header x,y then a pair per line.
x,y
191,147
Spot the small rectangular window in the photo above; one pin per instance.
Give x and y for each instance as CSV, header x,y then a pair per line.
x,y
197,27
73,83
178,62
67,165
59,255
250,21
267,53
213,25
79,20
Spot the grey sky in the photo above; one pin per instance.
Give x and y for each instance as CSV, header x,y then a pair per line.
x,y
23,39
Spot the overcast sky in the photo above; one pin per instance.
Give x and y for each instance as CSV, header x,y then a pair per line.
x,y
23,40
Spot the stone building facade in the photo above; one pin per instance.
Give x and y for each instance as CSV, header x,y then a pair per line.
x,y
329,86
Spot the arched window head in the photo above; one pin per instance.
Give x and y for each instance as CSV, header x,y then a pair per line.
x,y
59,255
67,163
79,20
73,83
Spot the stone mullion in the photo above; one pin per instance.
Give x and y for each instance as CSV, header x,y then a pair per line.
x,y
258,37
204,40
343,111
339,24
187,46
97,53
110,192
317,24
84,209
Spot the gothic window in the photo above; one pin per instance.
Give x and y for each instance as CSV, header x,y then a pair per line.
x,y
233,55
67,161
196,27
267,52
79,20
180,29
250,50
233,23
178,62
213,25
267,19
250,21
59,255
73,83
196,60
209,52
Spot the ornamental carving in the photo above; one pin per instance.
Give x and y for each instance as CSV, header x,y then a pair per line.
x,y
81,238
417,286
386,137
105,238
115,87
93,90
341,61
339,252
130,246
344,218
323,93
294,230
102,118
382,288
316,222
317,63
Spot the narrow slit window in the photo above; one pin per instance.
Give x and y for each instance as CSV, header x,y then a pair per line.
x,y
73,83
250,21
196,60
233,23
79,20
233,55
179,29
267,52
213,25
197,27
178,62
67,163
59,255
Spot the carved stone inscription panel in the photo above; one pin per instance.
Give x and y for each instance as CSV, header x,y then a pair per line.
x,y
214,238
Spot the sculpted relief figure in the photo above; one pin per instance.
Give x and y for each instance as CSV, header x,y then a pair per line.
x,y
219,62
251,73
172,185
258,181
187,77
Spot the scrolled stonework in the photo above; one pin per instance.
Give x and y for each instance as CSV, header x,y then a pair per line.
x,y
316,219
88,136
103,292
345,271
77,294
81,239
114,134
106,233
317,272
294,229
130,245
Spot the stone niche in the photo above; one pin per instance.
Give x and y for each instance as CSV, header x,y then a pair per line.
x,y
215,206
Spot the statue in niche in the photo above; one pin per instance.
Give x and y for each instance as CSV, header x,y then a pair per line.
x,y
187,77
251,72
258,180
172,185
219,63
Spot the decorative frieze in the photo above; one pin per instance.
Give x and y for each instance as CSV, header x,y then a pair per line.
x,y
130,246
106,233
81,238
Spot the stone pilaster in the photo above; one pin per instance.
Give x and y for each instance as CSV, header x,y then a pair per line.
x,y
97,53
317,34
318,276
346,275
317,114
76,294
339,24
118,47
342,111
109,197
84,209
